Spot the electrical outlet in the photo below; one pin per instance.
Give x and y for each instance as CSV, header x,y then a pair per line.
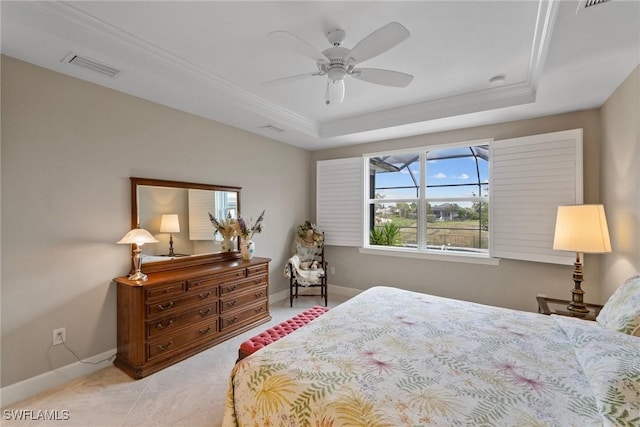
x,y
332,270
59,336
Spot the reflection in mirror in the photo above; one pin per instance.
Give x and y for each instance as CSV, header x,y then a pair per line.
x,y
192,233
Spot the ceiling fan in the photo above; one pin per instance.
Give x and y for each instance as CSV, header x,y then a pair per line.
x,y
337,62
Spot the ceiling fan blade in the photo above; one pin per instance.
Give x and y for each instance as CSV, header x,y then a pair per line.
x,y
382,77
297,44
289,79
380,41
335,92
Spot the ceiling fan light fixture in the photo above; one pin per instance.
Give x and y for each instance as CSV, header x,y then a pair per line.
x,y
335,92
336,73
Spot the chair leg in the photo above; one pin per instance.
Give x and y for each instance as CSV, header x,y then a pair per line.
x,y
326,294
291,286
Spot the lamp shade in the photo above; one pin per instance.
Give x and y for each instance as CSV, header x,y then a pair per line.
x,y
582,228
139,236
169,224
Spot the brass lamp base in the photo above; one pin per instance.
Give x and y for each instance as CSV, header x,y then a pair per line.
x,y
171,252
577,305
137,274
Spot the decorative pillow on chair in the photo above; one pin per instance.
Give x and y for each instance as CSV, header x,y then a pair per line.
x,y
622,311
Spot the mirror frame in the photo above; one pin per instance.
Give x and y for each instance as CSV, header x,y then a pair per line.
x,y
182,262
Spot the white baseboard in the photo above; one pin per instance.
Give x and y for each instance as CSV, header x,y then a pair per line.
x,y
34,385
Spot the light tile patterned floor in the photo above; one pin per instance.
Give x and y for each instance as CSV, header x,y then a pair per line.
x,y
191,393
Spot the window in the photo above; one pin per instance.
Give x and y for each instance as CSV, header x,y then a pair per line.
x,y
435,199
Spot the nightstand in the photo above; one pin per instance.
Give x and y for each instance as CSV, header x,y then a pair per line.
x,y
559,306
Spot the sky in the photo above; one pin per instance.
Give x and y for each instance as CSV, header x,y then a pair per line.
x,y
439,172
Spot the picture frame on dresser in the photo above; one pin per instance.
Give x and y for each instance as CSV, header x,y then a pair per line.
x,y
187,304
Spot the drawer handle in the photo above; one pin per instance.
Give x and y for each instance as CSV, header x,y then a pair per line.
x,y
258,294
165,307
258,310
204,331
159,325
207,295
232,321
204,313
231,303
257,281
231,288
165,347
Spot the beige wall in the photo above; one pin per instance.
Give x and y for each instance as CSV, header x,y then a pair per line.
x,y
621,181
512,284
68,150
69,147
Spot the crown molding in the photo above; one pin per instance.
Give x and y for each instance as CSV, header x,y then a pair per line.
x,y
167,64
488,99
232,93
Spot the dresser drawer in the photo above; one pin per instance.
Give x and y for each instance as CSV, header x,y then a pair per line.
x,y
167,345
229,276
240,286
171,306
257,270
193,285
165,290
235,300
233,319
167,325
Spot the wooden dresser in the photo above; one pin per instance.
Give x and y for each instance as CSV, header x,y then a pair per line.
x,y
178,313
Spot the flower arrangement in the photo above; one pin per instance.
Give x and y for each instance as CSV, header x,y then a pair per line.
x,y
226,227
245,229
310,235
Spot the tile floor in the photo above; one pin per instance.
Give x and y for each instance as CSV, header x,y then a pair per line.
x,y
190,393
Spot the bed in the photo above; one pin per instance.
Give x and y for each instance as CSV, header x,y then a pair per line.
x,y
391,357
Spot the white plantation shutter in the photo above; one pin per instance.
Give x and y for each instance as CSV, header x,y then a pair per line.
x,y
339,193
531,177
201,202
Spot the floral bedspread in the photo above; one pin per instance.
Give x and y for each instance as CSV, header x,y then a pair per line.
x,y
390,357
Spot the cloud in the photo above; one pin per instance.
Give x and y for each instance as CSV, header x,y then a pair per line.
x,y
440,175
463,176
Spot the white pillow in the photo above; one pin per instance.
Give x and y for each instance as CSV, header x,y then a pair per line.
x,y
622,311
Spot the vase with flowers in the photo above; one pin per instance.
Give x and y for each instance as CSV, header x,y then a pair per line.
x,y
246,230
227,229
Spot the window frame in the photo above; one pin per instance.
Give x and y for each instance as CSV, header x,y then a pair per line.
x,y
421,251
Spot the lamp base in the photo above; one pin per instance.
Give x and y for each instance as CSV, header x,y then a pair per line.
x,y
137,265
577,305
138,275
578,309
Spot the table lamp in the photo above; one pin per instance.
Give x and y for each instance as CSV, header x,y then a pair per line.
x,y
137,237
170,224
581,229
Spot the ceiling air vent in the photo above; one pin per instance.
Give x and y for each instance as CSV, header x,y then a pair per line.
x,y
90,64
272,128
587,4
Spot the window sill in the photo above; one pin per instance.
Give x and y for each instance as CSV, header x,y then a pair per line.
x,y
450,257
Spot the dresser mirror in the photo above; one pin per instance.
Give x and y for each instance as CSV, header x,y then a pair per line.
x,y
177,214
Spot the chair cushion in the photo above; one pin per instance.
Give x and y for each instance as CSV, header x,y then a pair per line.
x,y
282,329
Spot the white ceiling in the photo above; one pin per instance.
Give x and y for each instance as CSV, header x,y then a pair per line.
x,y
209,58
